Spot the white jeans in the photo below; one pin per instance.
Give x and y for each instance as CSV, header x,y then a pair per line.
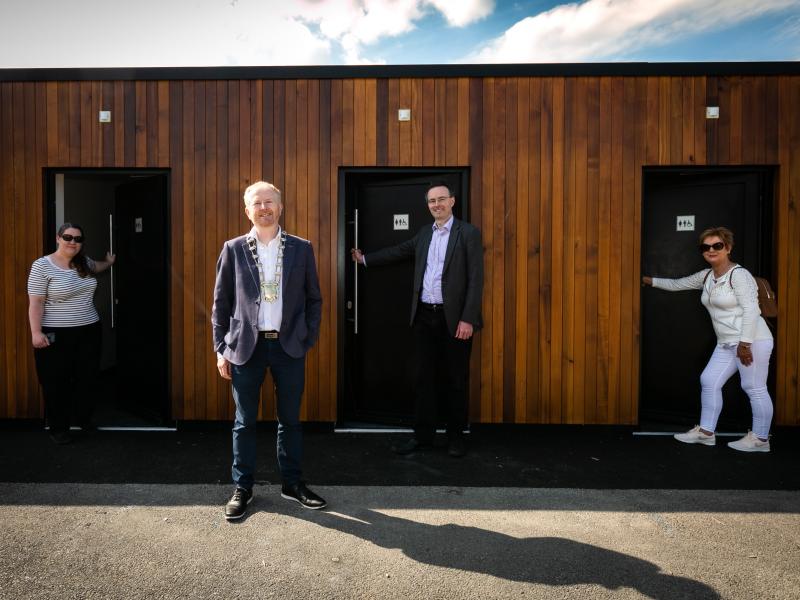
x,y
720,368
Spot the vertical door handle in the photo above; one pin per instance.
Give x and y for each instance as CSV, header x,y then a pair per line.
x,y
355,275
111,272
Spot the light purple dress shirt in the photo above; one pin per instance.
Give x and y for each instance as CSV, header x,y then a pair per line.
x,y
432,280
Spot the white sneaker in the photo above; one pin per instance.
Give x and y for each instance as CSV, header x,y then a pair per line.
x,y
750,443
695,436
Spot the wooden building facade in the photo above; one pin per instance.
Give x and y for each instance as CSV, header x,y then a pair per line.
x,y
555,155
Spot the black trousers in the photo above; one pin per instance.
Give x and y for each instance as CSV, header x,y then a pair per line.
x,y
67,371
442,375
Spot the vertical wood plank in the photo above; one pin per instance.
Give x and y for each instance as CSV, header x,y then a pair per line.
x,y
724,121
546,245
382,122
347,123
687,121
486,208
736,121
462,143
603,361
406,128
522,237
370,116
558,238
140,125
359,121
627,277
509,219
579,244
450,120
533,405
567,273
497,141
699,107
418,133
592,248
393,127
428,122
475,211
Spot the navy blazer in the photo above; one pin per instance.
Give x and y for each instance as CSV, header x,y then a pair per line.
x,y
462,274
234,315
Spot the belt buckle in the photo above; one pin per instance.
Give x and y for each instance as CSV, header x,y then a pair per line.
x,y
270,335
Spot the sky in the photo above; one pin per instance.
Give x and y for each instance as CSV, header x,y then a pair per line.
x,y
148,33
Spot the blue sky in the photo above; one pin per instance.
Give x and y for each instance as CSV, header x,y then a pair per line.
x,y
120,33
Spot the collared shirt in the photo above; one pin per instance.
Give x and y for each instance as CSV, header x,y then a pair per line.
x,y
432,280
269,313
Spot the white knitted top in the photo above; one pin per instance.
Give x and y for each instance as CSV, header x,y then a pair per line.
x,y
733,308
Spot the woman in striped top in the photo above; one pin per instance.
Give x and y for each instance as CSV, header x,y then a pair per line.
x,y
65,329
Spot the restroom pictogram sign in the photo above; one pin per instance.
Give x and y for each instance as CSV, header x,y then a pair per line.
x,y
400,222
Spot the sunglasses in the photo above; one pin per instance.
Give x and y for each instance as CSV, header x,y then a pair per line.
x,y
715,246
78,239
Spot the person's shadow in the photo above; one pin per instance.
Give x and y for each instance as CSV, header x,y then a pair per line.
x,y
544,560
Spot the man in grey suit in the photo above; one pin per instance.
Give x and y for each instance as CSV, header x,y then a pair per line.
x,y
266,314
445,312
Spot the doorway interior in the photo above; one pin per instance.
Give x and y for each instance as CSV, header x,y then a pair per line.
x,y
125,211
382,207
676,333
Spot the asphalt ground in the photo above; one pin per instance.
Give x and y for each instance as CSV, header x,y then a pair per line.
x,y
559,512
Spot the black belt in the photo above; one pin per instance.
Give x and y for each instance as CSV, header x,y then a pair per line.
x,y
433,307
270,335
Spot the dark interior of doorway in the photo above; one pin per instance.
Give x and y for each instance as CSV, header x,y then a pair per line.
x,y
125,210
676,333
377,363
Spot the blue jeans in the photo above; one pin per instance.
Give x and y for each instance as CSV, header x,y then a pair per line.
x,y
289,376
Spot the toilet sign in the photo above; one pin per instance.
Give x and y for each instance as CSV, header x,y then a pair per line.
x,y
400,222
685,223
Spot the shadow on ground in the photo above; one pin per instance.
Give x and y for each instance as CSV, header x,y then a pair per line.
x,y
549,561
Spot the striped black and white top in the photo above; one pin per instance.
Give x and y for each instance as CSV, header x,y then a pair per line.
x,y
69,298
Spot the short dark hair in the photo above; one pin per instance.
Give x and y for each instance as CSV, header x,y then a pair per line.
x,y
723,233
436,184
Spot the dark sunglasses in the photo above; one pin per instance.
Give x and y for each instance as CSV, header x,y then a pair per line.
x,y
715,246
78,239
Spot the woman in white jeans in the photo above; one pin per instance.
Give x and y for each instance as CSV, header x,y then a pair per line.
x,y
744,341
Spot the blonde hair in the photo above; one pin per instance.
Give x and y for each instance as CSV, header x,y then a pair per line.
x,y
723,233
260,185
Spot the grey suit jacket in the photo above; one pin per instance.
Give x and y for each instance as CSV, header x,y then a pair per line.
x,y
234,315
462,275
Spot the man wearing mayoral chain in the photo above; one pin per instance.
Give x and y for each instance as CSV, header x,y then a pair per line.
x,y
266,315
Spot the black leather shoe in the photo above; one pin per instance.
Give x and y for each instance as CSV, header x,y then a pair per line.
x,y
300,493
457,447
237,505
409,446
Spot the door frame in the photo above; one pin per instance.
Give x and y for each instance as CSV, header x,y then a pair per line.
x,y
348,175
49,218
767,249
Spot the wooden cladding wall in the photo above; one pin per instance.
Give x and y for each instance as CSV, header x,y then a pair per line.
x,y
556,173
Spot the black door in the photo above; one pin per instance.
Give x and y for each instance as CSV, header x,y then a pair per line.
x,y
677,338
140,296
125,211
387,208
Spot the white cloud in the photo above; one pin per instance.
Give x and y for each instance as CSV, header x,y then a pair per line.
x,y
101,33
357,23
108,33
607,29
463,12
